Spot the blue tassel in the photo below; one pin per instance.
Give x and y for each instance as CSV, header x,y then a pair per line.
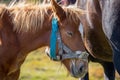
x,y
53,39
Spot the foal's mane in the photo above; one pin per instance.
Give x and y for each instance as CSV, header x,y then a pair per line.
x,y
30,17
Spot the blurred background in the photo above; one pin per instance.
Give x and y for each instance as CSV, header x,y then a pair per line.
x,y
38,66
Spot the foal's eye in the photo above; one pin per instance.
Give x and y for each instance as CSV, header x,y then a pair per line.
x,y
70,34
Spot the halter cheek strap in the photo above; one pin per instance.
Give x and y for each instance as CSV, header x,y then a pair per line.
x,y
53,39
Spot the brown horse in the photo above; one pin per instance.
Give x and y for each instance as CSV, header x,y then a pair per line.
x,y
26,27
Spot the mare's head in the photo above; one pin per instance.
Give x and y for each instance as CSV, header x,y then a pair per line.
x,y
72,53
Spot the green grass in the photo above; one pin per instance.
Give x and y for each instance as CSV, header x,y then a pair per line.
x,y
38,66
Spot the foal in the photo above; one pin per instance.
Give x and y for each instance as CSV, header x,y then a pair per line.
x,y
24,28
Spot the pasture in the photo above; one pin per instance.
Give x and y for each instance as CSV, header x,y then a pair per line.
x,y
38,66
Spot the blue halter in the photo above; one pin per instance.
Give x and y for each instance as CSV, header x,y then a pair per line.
x,y
53,39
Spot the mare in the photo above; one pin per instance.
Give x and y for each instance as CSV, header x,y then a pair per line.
x,y
96,42
26,27
111,25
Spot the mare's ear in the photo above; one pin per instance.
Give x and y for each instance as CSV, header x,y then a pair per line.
x,y
60,13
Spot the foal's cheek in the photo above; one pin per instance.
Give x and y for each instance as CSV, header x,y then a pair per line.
x,y
66,64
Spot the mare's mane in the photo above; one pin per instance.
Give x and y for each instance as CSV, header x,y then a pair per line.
x,y
30,17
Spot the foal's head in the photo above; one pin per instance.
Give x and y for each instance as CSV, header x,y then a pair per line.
x,y
73,54
27,21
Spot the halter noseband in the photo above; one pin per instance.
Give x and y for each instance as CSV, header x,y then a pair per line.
x,y
56,37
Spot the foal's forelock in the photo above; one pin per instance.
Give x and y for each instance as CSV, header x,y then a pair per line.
x,y
73,14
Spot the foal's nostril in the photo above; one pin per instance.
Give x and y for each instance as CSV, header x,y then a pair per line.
x,y
81,69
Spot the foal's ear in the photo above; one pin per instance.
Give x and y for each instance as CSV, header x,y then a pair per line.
x,y
60,13
77,3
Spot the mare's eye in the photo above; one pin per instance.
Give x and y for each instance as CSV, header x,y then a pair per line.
x,y
70,34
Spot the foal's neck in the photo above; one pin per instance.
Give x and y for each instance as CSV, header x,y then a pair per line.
x,y
30,41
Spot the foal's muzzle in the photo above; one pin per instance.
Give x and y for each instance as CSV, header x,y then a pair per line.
x,y
79,67
79,70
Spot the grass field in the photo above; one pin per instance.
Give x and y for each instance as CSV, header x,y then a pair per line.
x,y
38,66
